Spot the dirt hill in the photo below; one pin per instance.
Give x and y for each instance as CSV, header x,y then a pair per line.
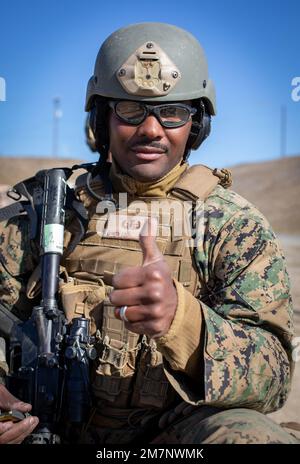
x,y
14,169
274,187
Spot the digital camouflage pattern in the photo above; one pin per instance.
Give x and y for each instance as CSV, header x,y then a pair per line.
x,y
244,308
18,257
209,425
205,425
247,310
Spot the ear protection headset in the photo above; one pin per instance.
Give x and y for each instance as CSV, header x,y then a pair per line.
x,y
96,123
201,127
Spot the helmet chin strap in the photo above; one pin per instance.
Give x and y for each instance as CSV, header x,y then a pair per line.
x,y
186,155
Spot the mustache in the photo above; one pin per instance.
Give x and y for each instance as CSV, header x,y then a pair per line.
x,y
145,142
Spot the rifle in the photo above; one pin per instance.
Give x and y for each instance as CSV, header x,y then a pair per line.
x,y
49,357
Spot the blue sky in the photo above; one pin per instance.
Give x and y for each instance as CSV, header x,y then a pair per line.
x,y
48,49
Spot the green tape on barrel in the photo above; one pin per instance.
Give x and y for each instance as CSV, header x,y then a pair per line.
x,y
53,238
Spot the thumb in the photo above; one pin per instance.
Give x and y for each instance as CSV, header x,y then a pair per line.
x,y
8,401
151,252
21,406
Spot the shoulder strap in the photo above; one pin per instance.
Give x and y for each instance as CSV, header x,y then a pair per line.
x,y
7,321
199,181
22,198
9,211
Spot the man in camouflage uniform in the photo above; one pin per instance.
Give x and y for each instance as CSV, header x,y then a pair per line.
x,y
193,329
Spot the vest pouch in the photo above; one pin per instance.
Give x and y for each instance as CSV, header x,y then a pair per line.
x,y
114,374
83,300
152,388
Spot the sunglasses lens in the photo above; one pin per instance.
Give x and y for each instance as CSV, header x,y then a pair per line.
x,y
173,116
130,111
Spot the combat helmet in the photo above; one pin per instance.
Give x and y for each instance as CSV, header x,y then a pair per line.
x,y
153,62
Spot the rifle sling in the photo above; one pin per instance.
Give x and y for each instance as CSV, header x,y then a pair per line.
x,y
7,321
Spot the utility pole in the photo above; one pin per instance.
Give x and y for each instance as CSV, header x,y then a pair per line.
x,y
57,114
283,126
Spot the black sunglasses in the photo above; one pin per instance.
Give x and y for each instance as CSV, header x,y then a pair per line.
x,y
169,114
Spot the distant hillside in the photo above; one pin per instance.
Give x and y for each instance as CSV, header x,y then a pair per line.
x,y
14,169
274,187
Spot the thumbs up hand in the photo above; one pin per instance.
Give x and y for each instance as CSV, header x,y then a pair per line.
x,y
148,291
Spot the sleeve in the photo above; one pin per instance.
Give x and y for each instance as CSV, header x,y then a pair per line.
x,y
18,258
17,253
232,348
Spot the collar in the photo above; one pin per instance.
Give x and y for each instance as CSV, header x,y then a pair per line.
x,y
159,188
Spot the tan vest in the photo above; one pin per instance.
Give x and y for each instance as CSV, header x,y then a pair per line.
x,y
129,369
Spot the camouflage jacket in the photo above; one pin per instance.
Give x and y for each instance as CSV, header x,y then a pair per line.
x,y
246,316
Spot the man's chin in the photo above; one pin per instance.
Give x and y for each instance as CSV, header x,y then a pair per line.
x,y
147,172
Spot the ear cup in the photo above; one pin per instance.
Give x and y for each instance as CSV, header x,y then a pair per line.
x,y
90,131
199,131
98,125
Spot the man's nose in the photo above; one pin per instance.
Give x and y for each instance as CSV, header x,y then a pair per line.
x,y
150,128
